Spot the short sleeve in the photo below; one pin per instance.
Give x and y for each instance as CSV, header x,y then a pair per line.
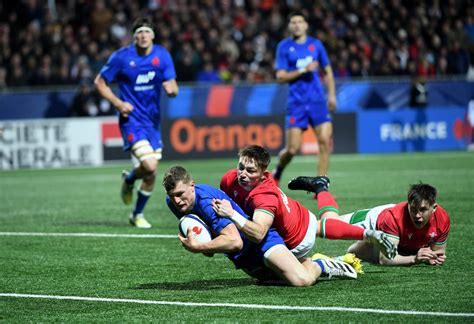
x,y
388,225
110,70
169,72
281,62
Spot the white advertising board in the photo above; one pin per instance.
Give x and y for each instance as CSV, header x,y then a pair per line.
x,y
50,143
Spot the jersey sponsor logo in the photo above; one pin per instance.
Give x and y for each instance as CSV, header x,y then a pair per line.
x,y
303,62
145,78
144,88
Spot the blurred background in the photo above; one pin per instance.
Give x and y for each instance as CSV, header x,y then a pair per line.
x,y
389,57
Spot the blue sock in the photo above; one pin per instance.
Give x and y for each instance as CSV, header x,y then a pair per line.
x,y
278,172
320,263
130,178
141,201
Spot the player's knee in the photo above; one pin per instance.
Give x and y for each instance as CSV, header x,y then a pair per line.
x,y
292,151
149,166
324,142
147,156
304,282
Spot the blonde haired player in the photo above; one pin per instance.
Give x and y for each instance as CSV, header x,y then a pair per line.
x,y
141,69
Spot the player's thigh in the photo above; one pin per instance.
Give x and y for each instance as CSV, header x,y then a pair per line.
x,y
293,138
144,153
287,266
324,131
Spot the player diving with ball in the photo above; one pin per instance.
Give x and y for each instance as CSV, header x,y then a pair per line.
x,y
268,259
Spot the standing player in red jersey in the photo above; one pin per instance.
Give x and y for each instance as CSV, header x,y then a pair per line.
x,y
419,227
252,187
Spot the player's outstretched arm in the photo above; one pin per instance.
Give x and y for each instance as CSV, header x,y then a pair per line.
x,y
424,255
228,241
255,230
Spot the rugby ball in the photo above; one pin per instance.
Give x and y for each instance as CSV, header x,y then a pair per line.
x,y
201,231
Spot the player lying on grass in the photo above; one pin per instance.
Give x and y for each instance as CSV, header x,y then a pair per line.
x,y
252,187
256,259
419,227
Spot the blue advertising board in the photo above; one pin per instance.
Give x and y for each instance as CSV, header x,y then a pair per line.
x,y
411,130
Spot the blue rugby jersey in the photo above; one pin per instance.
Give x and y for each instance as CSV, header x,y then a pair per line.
x,y
291,56
203,208
251,255
140,80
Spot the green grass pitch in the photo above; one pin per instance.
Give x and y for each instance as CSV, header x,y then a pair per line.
x,y
192,288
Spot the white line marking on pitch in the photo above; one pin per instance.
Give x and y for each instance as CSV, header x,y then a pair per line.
x,y
88,235
253,306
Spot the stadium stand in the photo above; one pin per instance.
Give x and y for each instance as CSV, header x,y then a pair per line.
x,y
63,42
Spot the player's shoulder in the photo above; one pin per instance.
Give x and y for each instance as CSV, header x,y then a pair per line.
x,y
315,41
123,53
157,48
125,50
230,175
267,187
393,212
209,192
441,213
286,42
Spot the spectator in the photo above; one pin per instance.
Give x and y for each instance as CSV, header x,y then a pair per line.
x,y
240,36
418,93
88,103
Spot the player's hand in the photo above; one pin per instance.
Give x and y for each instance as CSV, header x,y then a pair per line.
x,y
312,66
222,207
125,109
441,258
189,243
426,255
332,103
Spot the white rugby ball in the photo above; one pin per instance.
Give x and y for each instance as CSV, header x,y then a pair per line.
x,y
201,231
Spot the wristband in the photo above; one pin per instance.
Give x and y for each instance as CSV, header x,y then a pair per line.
x,y
302,70
238,219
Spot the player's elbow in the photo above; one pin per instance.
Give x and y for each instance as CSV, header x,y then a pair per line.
x,y
99,83
387,262
280,78
260,237
384,261
238,245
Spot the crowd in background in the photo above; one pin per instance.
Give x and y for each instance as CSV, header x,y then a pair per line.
x,y
67,41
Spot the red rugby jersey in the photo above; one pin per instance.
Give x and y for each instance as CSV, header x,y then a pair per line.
x,y
291,219
396,221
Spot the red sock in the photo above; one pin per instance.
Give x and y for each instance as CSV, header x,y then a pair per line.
x,y
326,202
335,229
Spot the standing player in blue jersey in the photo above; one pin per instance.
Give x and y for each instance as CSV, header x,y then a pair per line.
x,y
140,69
268,259
299,58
